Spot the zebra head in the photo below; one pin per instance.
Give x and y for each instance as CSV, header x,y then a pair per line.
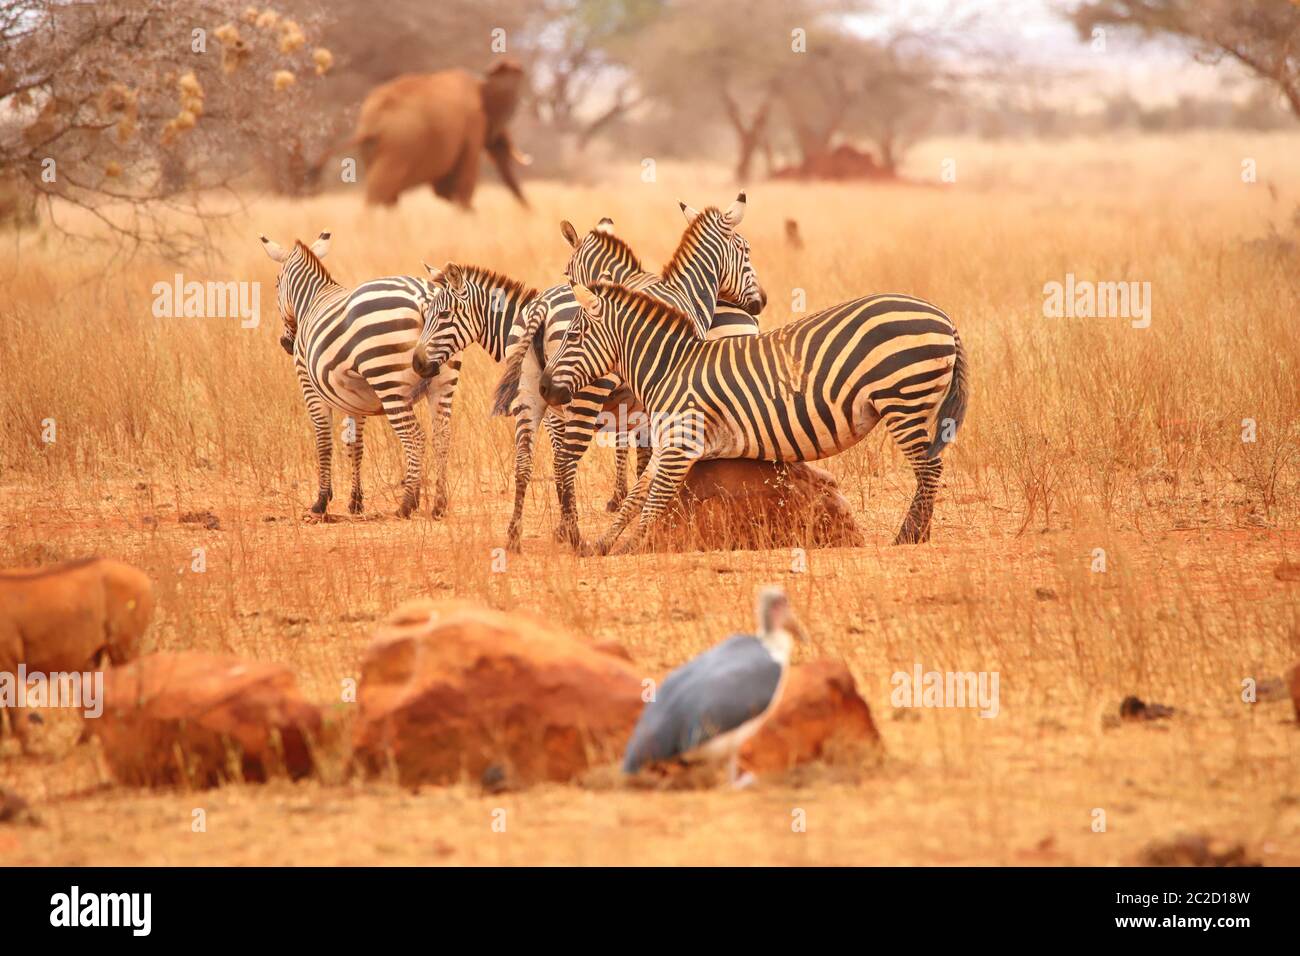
x,y
449,322
587,350
297,280
598,252
737,280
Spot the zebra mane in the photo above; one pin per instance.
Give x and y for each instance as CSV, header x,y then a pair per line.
x,y
678,260
492,279
608,239
656,307
314,261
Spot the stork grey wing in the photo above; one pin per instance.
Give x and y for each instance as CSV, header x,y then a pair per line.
x,y
716,692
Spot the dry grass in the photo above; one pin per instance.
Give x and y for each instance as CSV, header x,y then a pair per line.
x,y
1083,434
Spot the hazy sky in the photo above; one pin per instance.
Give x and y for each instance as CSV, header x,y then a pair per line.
x,y
1034,32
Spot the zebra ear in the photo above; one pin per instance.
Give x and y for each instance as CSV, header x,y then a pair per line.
x,y
434,274
736,212
688,212
321,246
454,277
274,250
569,233
590,302
605,227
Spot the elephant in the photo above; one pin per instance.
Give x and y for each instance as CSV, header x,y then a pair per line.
x,y
430,127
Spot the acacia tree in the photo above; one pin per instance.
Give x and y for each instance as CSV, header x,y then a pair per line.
x,y
127,108
1262,35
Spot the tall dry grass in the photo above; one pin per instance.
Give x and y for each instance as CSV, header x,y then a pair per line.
x,y
1083,434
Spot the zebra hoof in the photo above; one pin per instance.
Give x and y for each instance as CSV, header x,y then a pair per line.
x,y
406,510
439,508
355,506
614,504
322,502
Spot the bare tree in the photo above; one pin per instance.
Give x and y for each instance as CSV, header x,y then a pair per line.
x,y
1262,35
127,108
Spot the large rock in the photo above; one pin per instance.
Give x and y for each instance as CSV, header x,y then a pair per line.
x,y
453,691
821,717
734,503
196,718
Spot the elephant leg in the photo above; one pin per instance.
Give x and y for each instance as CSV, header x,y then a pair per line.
x,y
462,179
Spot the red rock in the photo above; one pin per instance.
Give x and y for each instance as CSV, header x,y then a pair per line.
x,y
188,716
820,715
733,503
450,691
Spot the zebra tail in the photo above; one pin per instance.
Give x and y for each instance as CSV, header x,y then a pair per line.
x,y
953,407
504,394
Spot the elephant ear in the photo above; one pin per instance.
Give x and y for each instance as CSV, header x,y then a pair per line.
x,y
569,233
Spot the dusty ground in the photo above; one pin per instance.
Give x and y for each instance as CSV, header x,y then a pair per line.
x,y
1084,434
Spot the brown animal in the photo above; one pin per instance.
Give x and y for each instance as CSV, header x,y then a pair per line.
x,y
67,617
430,128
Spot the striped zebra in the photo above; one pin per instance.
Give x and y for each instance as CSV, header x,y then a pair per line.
x,y
805,391
352,352
483,306
711,265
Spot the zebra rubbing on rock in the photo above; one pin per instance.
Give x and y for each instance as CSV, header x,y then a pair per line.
x,y
805,391
711,270
352,351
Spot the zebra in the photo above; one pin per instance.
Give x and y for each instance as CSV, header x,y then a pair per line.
x,y
805,391
711,269
484,306
352,352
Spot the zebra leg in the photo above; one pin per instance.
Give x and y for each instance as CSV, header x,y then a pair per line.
x,y
566,466
916,526
630,506
401,415
670,468
620,474
355,449
323,422
528,411
441,394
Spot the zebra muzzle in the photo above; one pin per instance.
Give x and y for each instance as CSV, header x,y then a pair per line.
x,y
554,394
422,366
286,343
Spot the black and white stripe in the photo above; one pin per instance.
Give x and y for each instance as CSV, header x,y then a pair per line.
x,y
352,353
805,391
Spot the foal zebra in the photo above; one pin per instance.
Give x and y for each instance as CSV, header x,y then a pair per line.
x,y
805,391
352,352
